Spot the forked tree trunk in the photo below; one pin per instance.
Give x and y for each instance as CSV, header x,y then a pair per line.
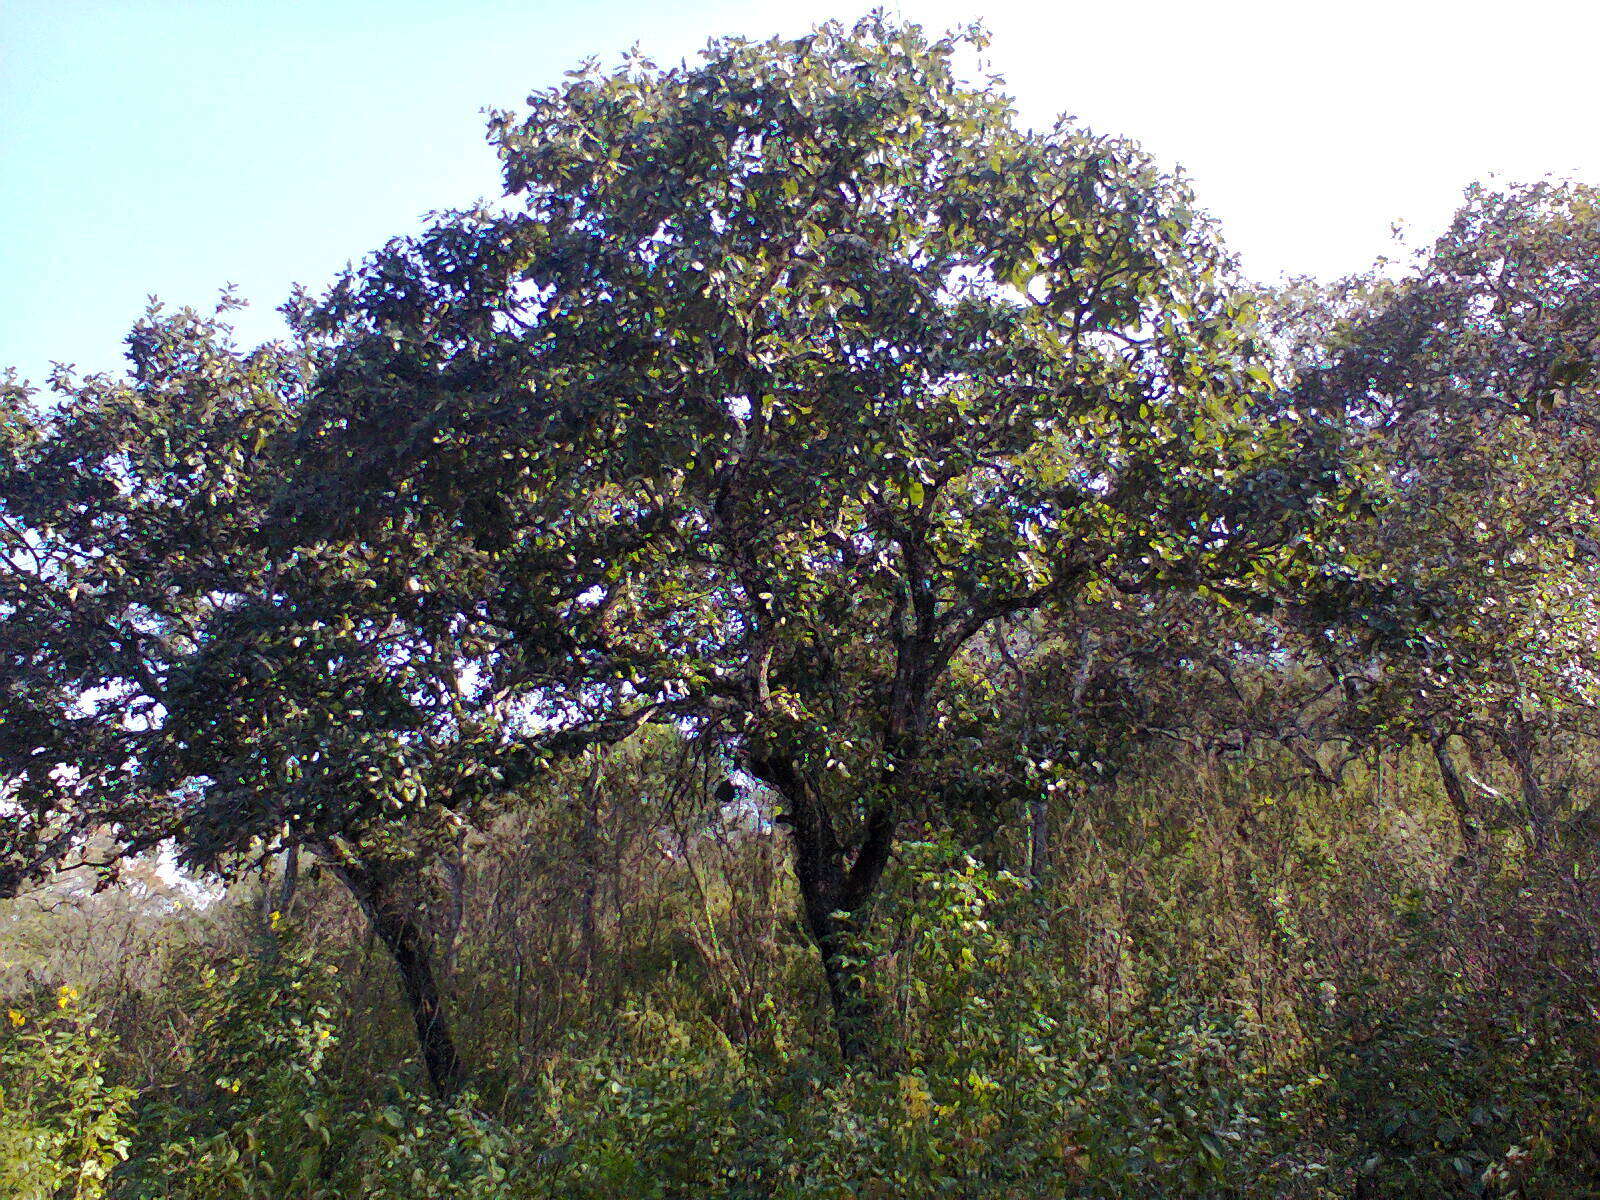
x,y
395,925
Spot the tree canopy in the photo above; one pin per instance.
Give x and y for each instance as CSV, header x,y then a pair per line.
x,y
779,379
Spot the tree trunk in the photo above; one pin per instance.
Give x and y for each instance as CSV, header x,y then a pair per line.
x,y
589,864
455,874
1455,791
1038,838
831,894
396,927
291,877
1516,742
855,1016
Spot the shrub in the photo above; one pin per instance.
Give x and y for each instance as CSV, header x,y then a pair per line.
x,y
256,1114
63,1125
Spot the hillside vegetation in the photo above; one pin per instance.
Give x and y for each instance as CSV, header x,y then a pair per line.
x,y
827,644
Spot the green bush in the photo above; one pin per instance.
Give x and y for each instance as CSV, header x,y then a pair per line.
x,y
257,1112
1446,1091
63,1126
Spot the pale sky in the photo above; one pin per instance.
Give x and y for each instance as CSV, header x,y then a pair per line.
x,y
153,146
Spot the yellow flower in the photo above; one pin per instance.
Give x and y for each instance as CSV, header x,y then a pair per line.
x,y
274,918
915,1096
66,997
15,1017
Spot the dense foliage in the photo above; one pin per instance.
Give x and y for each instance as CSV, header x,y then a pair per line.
x,y
826,645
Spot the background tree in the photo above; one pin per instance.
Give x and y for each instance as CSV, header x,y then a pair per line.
x,y
1469,388
127,520
173,676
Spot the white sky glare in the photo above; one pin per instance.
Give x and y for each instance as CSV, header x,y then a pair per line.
x,y
153,146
